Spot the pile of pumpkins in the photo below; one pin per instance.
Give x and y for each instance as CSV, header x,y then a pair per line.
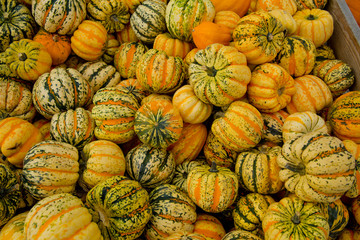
x,y
179,119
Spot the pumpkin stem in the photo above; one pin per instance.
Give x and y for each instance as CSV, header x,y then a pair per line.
x,y
299,168
211,72
270,37
6,15
22,56
280,91
56,38
296,218
103,217
311,17
213,167
114,18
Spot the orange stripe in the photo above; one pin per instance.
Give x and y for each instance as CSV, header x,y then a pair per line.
x,y
216,194
75,234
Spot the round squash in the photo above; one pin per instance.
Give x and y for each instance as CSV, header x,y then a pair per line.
x,y
286,19
229,19
185,235
14,228
44,127
207,33
172,46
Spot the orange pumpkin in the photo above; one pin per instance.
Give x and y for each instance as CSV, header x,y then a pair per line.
x,y
209,226
126,35
238,6
207,33
172,46
268,5
229,19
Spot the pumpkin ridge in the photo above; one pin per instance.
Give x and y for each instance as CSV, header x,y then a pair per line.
x,y
239,132
307,93
77,232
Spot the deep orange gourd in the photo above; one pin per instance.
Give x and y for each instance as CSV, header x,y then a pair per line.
x,y
207,33
238,6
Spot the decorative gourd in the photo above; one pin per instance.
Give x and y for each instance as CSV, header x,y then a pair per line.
x,y
131,86
286,20
240,7
112,45
159,73
300,123
89,40
127,57
191,108
250,211
310,4
344,116
185,235
268,5
271,87
114,114
172,211
16,22
5,71
158,123
314,24
126,35
262,26
60,217
14,228
240,128
354,149
155,96
207,33
148,20
172,46
312,94
190,58
273,126
49,98
133,4
297,56
316,167
182,16
17,136
324,52
112,14
50,167
99,74
75,127
219,74
28,59
222,193
240,234
120,207
209,226
10,195
151,167
337,75
292,218
229,19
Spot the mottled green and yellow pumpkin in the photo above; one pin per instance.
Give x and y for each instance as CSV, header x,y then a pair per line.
x,y
324,52
131,86
286,19
14,228
273,126
310,4
268,5
241,234
172,46
209,226
112,45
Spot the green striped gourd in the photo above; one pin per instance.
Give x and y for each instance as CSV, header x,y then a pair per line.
x,y
114,113
250,211
316,167
182,16
60,216
172,211
273,126
131,86
62,17
75,127
112,45
120,207
240,234
14,228
150,166
99,74
16,22
324,52
50,167
310,4
148,20
60,90
112,14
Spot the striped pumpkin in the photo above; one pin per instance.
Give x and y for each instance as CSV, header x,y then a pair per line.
x,y
190,58
75,127
286,19
126,35
219,74
131,86
114,115
151,167
240,234
183,15
227,18
310,4
72,219
159,73
148,20
49,98
185,235
14,228
99,74
112,45
172,46
4,68
120,207
50,167
172,211
354,149
324,52
273,126
268,5
344,116
209,226
316,167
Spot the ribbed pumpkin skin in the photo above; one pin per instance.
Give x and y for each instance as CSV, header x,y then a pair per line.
x,y
183,15
172,46
354,149
148,20
300,123
10,196
28,59
60,90
269,33
15,100
75,127
316,167
112,14
337,75
120,207
172,211
344,116
310,4
279,221
131,86
258,170
17,136
60,217
240,234
312,94
151,167
219,74
273,126
158,123
229,19
207,33
14,228
268,5
185,235
324,52
16,22
127,57
209,226
126,35
112,45
271,87
99,74
114,114
4,68
159,73
286,20
50,167
240,128
250,211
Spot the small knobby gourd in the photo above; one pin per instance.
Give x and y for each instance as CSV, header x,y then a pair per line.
x,y
268,5
207,33
172,46
14,228
209,226
273,126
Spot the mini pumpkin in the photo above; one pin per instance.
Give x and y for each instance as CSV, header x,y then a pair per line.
x,y
172,46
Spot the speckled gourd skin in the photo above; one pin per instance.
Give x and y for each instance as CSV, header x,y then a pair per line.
x,y
273,126
14,228
240,234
